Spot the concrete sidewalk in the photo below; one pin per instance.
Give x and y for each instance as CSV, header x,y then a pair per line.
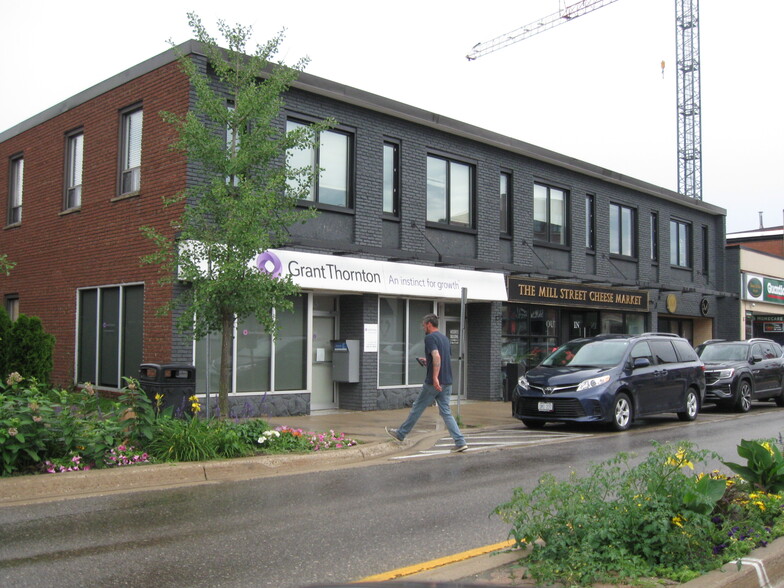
x,y
365,427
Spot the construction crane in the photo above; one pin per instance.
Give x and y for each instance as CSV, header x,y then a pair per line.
x,y
687,50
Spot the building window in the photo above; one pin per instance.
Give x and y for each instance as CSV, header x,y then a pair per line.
x,y
131,152
110,332
590,222
263,364
232,144
391,178
622,237
330,163
654,237
705,251
506,203
450,192
401,341
528,333
73,171
15,189
12,306
680,243
550,214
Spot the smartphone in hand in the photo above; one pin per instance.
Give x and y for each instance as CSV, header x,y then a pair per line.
x,y
422,361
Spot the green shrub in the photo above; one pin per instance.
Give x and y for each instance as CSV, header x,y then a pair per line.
x,y
30,349
622,522
5,344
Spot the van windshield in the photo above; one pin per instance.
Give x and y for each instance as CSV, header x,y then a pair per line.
x,y
598,354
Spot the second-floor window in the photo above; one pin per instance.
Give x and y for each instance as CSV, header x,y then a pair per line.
x,y
622,223
450,192
590,222
506,203
73,172
654,237
15,189
680,243
550,214
332,158
391,178
131,152
705,250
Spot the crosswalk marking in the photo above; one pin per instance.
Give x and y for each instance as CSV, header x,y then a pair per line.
x,y
497,438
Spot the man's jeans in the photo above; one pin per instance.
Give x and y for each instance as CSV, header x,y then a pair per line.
x,y
425,399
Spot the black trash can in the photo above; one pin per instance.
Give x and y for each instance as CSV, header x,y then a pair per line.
x,y
172,384
512,372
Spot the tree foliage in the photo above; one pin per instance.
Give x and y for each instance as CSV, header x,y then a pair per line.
x,y
247,197
29,349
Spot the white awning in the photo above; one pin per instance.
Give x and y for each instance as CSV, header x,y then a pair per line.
x,y
351,274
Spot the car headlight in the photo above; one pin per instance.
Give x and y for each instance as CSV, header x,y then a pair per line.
x,y
522,381
724,374
592,383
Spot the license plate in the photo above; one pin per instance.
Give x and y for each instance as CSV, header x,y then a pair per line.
x,y
545,407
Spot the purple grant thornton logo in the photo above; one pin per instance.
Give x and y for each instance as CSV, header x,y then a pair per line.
x,y
269,263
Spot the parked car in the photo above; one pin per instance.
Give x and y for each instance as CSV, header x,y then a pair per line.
x,y
737,372
612,379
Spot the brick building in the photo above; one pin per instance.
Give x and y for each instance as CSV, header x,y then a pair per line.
x,y
417,212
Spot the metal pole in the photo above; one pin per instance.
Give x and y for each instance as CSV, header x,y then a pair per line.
x,y
461,348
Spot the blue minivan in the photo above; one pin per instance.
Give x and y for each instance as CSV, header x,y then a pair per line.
x,y
612,379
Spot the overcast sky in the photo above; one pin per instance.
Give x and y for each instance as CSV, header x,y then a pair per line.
x,y
592,89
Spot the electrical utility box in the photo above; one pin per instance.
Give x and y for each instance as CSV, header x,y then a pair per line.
x,y
345,360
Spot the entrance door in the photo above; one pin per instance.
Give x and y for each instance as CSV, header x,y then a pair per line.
x,y
582,324
451,329
323,393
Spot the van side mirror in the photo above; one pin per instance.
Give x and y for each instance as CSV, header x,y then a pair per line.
x,y
756,357
641,362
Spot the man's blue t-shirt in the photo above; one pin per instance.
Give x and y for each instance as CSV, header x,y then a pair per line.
x,y
437,340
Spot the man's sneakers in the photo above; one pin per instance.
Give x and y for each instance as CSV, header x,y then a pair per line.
x,y
394,434
459,448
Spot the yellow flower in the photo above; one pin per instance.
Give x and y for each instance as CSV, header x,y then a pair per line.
x,y
767,446
678,520
680,460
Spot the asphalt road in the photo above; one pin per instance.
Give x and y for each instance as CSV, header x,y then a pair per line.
x,y
325,527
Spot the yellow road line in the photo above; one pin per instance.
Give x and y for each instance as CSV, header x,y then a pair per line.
x,y
437,563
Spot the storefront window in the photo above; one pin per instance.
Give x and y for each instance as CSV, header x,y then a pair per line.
x,y
623,323
255,353
401,341
529,333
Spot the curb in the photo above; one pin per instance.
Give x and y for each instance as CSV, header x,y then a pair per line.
x,y
44,487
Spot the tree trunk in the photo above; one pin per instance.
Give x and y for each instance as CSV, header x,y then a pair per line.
x,y
224,385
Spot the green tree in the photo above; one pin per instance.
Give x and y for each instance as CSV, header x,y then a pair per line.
x,y
247,199
6,265
30,348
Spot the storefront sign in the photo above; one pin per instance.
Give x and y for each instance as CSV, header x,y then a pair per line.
x,y
565,294
762,289
351,274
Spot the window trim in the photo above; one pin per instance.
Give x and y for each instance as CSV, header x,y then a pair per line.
x,y
675,260
654,237
70,187
12,306
395,146
449,160
506,203
124,151
590,222
350,135
621,236
15,189
566,216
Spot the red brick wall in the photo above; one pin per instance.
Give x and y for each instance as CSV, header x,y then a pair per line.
x,y
56,252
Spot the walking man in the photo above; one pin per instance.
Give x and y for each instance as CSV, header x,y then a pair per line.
x,y
437,386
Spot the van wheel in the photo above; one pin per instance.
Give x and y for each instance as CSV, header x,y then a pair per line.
x,y
692,407
532,424
622,413
743,399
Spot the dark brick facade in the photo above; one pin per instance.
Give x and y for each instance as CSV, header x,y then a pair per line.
x,y
100,244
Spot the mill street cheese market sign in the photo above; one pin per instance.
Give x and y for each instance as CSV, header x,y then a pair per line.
x,y
566,294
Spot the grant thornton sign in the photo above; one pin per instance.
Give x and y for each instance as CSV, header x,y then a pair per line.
x,y
566,294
